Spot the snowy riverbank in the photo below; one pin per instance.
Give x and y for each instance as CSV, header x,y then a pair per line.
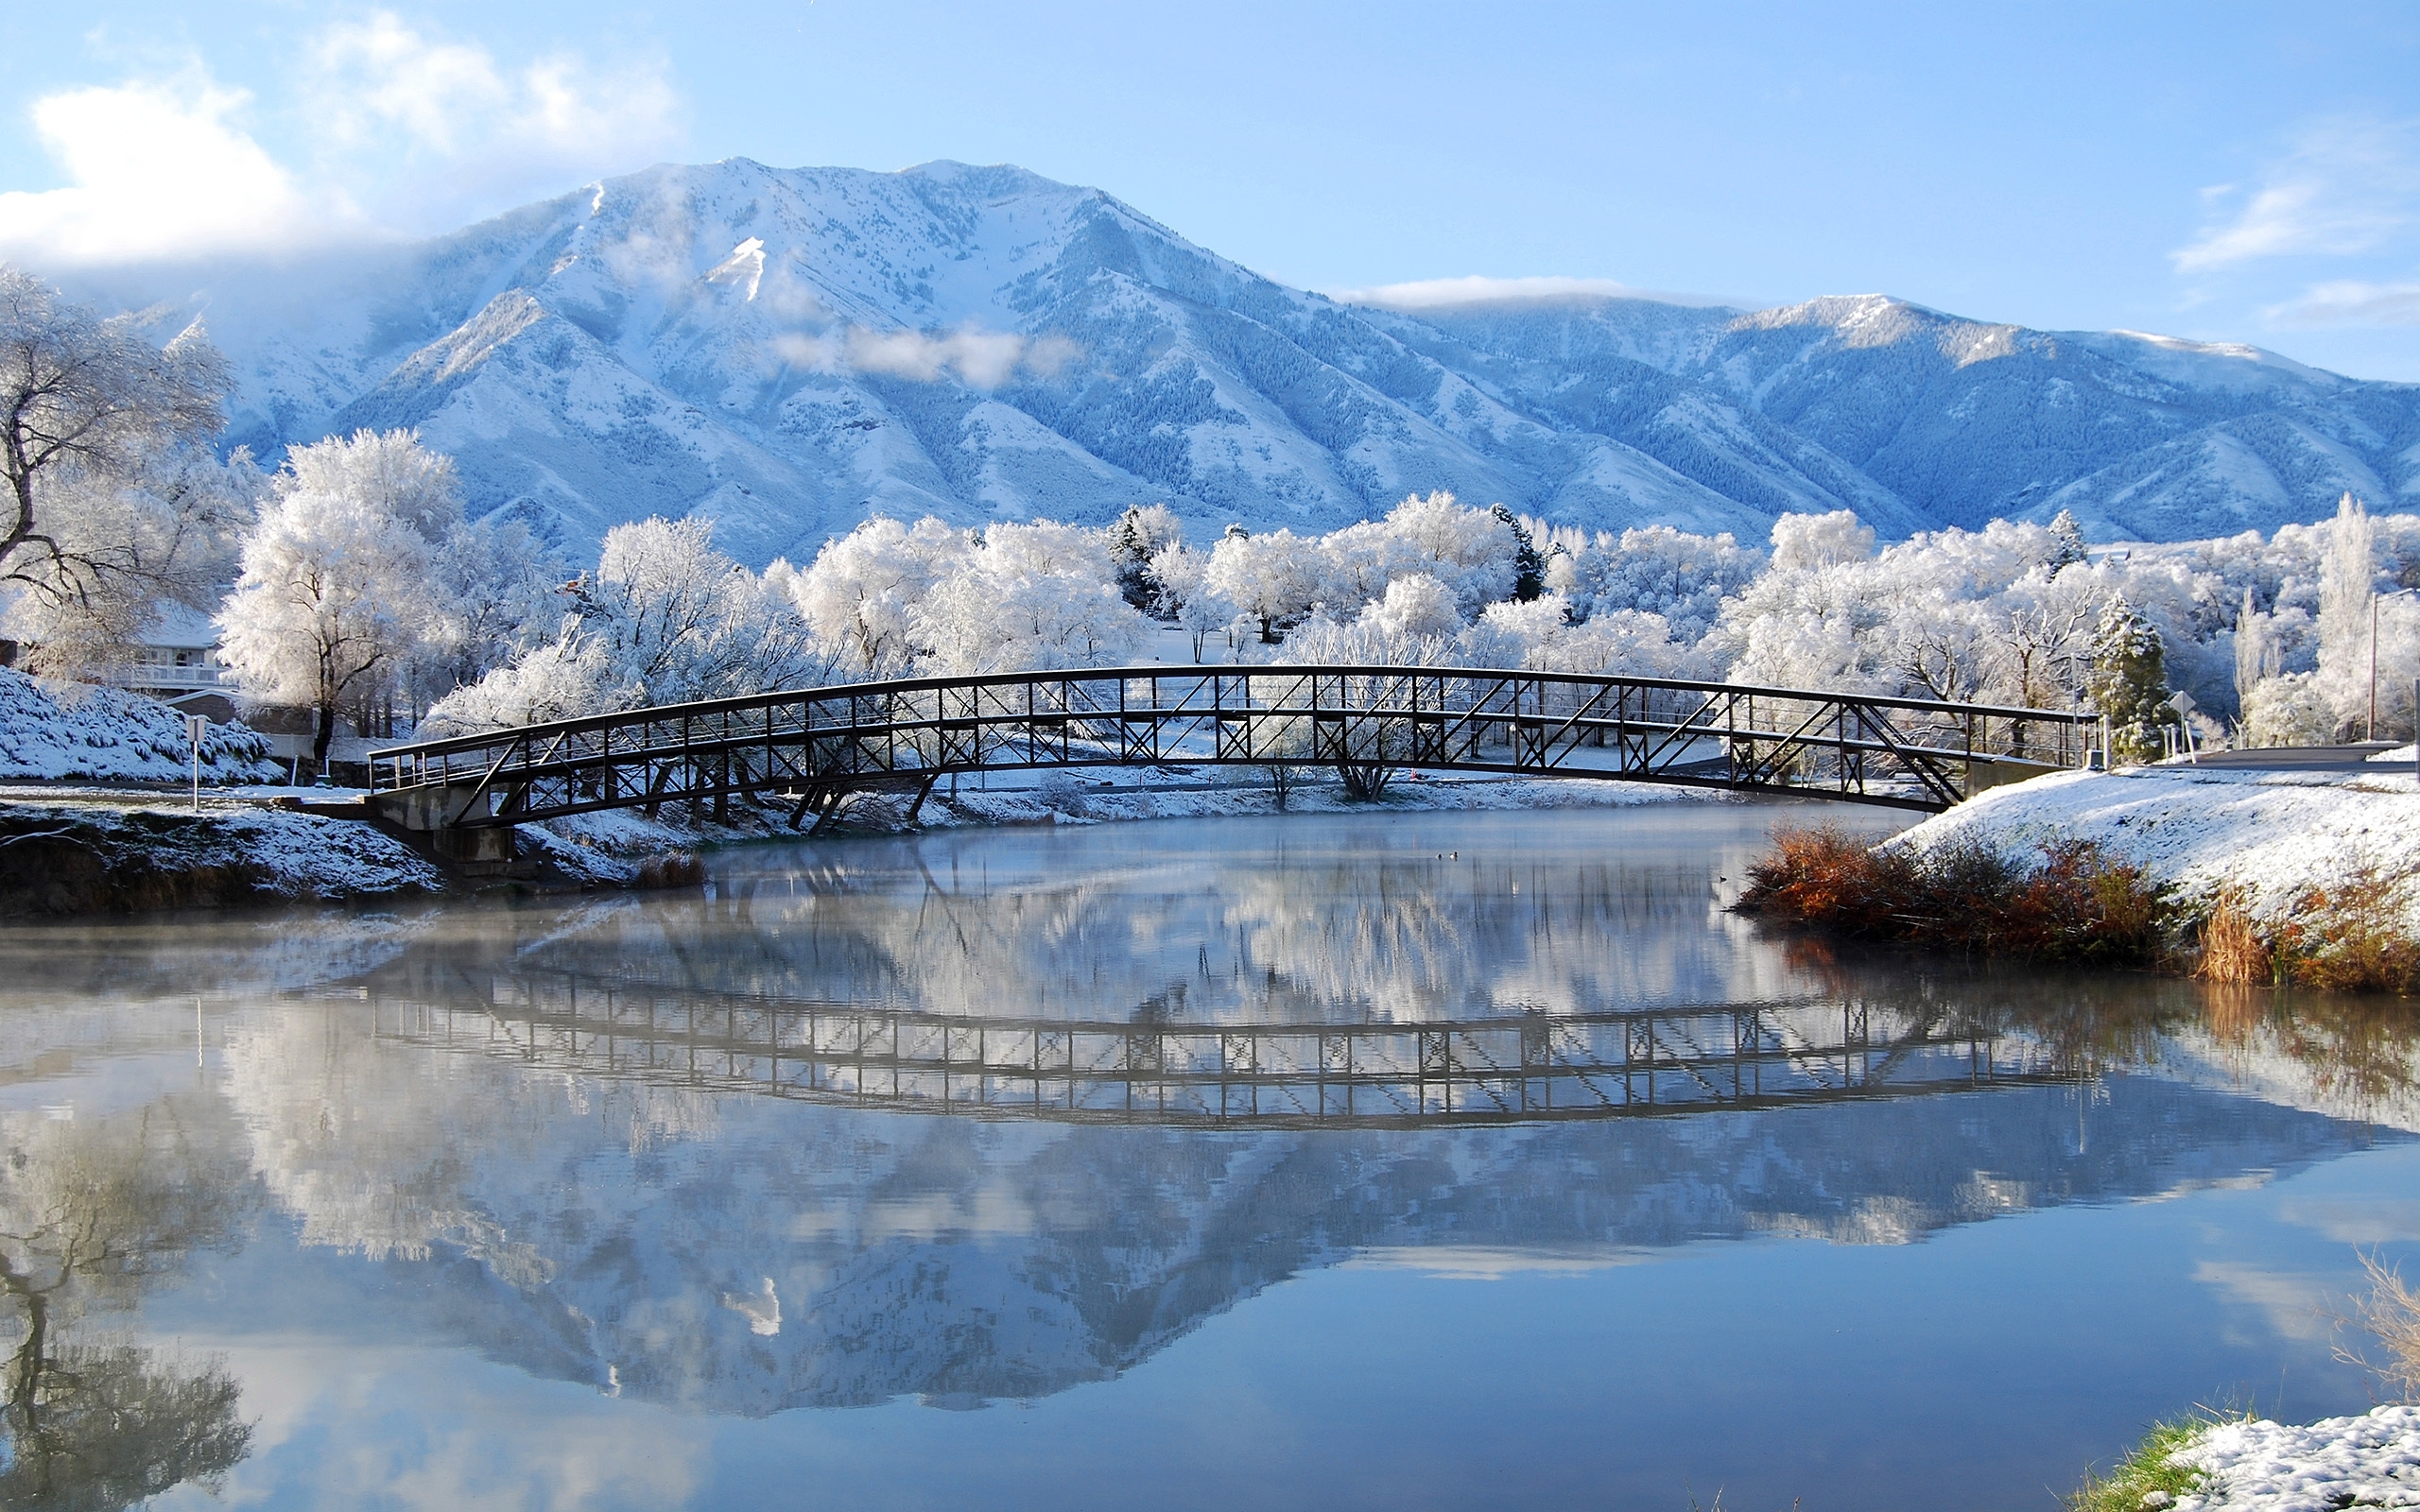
x,y
2269,836
97,853
2372,1460
95,850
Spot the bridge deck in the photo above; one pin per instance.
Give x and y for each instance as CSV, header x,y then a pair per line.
x,y
816,745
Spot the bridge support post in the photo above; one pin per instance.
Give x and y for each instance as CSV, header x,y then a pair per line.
x,y
438,812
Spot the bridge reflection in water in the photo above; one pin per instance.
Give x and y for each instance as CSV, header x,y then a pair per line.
x,y
1501,1068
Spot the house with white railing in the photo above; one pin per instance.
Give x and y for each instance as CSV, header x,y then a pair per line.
x,y
176,661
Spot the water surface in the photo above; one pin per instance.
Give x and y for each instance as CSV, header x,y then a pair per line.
x,y
1398,1160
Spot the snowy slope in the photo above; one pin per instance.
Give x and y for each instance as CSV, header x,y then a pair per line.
x,y
790,349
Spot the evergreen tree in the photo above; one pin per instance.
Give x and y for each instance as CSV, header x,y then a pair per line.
x,y
1137,536
1529,564
2070,548
2129,681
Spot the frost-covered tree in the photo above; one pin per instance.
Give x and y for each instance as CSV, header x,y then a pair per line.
x,y
492,583
2366,638
113,499
1655,569
330,607
173,527
1186,596
862,590
1271,579
1529,564
1037,595
2289,708
1543,635
2129,683
1417,607
665,619
2045,642
679,621
2069,537
1474,552
1805,542
1815,617
362,584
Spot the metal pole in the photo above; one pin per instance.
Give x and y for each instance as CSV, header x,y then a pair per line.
x,y
196,726
2372,733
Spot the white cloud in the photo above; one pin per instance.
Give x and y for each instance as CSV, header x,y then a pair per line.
x,y
985,359
2349,186
382,86
403,133
160,171
2349,302
380,73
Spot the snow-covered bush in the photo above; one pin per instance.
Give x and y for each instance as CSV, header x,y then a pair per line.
x,y
2290,709
50,731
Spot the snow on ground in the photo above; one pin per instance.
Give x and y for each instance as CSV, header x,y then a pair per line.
x,y
2274,836
2401,755
323,858
2372,1460
50,731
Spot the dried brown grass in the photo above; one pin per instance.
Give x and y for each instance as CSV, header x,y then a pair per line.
x,y
678,869
2390,1315
2233,949
2352,937
2349,937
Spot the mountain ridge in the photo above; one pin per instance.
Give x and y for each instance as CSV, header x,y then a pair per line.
x,y
794,349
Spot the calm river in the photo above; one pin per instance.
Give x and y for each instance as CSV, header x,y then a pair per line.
x,y
1395,1161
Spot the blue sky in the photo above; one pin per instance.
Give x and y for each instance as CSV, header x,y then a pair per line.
x,y
2221,172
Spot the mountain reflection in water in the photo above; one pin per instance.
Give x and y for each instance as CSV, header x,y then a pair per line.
x,y
976,1118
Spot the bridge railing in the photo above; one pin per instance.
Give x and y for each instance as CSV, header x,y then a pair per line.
x,y
1502,1067
1354,717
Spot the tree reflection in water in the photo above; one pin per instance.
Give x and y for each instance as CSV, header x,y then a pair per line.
x,y
90,1214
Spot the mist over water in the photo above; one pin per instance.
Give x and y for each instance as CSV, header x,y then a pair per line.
x,y
1391,1159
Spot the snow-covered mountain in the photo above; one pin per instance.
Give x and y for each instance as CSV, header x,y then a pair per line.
x,y
792,350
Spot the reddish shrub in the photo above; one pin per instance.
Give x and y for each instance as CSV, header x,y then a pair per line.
x,y
2078,905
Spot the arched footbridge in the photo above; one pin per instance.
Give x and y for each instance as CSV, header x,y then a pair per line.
x,y
816,748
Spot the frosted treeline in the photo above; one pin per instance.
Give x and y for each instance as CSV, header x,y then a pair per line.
x,y
2270,635
364,589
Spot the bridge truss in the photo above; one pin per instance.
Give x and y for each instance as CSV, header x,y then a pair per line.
x,y
817,745
1505,1068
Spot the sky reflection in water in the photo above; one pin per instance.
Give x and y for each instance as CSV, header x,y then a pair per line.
x,y
1406,1159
